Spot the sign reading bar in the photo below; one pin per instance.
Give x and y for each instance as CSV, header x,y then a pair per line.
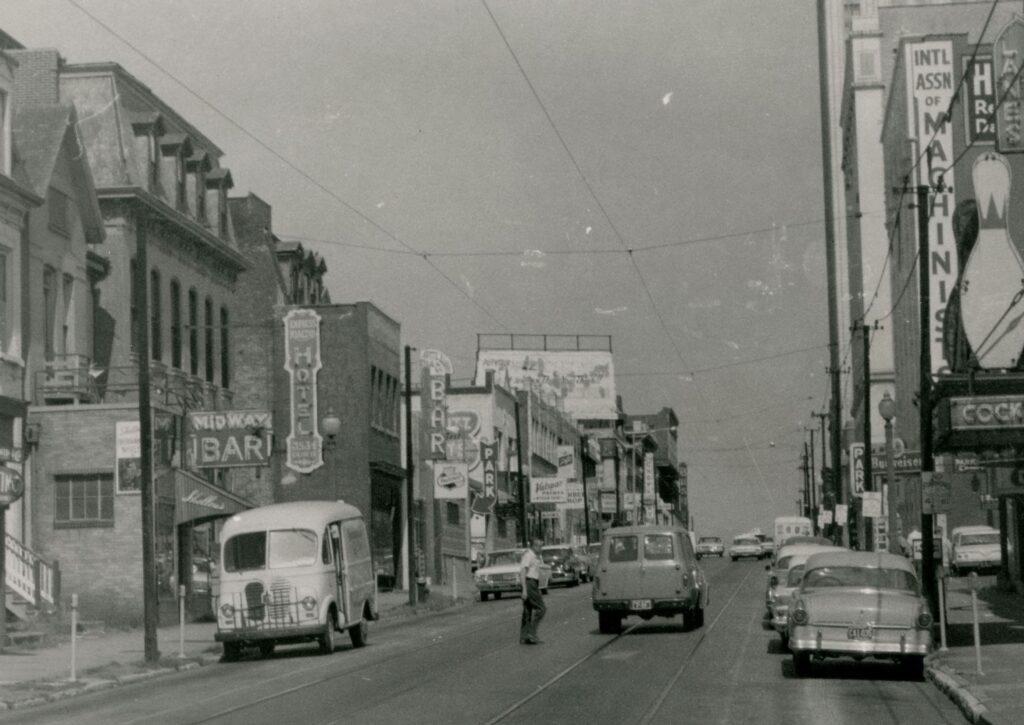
x,y
230,438
304,445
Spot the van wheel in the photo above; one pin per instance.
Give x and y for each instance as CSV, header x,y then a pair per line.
x,y
699,617
266,649
497,595
232,651
609,623
326,640
359,633
484,596
802,663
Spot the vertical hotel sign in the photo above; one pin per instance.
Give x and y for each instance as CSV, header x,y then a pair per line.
x,y
1007,51
931,80
302,361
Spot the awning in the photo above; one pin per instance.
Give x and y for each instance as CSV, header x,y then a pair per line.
x,y
196,500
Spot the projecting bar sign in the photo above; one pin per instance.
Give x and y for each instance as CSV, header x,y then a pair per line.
x,y
230,438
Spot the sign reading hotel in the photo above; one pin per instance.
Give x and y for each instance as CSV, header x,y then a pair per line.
x,y
304,445
580,382
980,100
230,438
434,367
931,84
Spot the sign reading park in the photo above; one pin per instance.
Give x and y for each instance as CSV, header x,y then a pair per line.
x,y
302,361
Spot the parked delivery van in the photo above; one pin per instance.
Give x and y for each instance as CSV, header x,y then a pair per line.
x,y
295,572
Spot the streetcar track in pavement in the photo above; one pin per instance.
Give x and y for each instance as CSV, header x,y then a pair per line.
x,y
653,710
361,667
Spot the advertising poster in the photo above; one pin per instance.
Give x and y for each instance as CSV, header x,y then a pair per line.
x,y
548,489
128,456
451,480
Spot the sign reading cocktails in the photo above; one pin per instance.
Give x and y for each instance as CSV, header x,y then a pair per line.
x,y
302,361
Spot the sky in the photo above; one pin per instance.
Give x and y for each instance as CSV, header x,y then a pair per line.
x,y
645,170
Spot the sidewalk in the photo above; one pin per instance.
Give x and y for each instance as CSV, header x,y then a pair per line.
x,y
997,696
33,676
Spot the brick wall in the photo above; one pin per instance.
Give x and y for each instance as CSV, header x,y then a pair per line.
x,y
36,79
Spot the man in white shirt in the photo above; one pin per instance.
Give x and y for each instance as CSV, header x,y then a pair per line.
x,y
533,602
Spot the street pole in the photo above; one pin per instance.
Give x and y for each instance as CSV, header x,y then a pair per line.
x,y
869,481
924,397
835,397
824,484
807,495
583,476
813,483
410,472
150,601
890,475
524,536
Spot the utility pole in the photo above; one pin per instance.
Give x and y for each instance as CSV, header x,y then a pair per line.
x,y
524,535
813,485
150,601
925,398
410,472
835,405
807,485
824,484
584,447
868,542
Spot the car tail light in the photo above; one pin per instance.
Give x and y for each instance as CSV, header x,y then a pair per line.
x,y
924,619
799,613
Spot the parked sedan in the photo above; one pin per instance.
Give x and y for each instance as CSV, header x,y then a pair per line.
x,y
975,548
710,546
566,568
745,547
785,577
859,604
500,574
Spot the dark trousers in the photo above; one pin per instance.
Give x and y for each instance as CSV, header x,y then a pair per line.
x,y
533,610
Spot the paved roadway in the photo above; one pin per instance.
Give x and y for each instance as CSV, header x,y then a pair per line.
x,y
467,666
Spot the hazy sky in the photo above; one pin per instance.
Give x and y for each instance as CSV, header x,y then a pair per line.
x,y
524,147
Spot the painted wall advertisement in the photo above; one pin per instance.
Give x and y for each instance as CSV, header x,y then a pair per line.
x,y
582,383
304,445
451,480
931,84
548,489
229,439
128,456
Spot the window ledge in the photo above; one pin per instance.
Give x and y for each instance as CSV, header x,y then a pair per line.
x,y
13,359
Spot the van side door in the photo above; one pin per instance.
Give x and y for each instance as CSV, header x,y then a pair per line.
x,y
358,565
341,584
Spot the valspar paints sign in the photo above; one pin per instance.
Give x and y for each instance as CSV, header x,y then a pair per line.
x,y
302,361
931,82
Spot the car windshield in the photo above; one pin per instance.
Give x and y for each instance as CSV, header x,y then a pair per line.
x,y
550,555
503,558
971,539
709,540
783,562
794,576
288,547
859,577
746,542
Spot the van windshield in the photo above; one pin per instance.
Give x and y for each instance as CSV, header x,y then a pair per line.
x,y
288,547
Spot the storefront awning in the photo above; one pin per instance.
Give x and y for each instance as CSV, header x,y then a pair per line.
x,y
196,500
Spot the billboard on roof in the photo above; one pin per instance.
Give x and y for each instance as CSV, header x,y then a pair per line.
x,y
579,382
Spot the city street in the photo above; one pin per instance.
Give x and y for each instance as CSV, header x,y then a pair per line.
x,y
466,666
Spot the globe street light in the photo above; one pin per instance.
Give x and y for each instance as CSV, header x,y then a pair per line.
x,y
887,409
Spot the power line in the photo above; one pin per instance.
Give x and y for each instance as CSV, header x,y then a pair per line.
x,y
285,160
723,366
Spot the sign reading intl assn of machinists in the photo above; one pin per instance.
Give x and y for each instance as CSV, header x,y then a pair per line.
x,y
304,444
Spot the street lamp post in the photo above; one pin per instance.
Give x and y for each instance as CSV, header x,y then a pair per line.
x,y
887,409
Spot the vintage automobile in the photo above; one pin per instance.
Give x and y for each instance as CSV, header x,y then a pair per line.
x,y
648,571
566,567
859,604
710,546
500,574
975,548
587,564
784,577
745,546
767,546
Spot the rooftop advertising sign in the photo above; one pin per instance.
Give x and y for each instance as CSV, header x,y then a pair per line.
x,y
302,361
580,382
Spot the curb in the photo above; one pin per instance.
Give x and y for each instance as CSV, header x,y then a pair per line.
x,y
950,683
202,659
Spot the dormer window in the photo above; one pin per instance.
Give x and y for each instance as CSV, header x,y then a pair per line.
x,y
148,127
175,148
5,135
198,165
218,182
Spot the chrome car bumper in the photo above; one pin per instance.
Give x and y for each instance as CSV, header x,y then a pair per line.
x,y
285,634
834,640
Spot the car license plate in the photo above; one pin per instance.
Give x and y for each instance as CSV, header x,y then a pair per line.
x,y
640,604
860,633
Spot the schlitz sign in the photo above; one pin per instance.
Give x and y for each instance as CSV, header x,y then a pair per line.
x,y
304,444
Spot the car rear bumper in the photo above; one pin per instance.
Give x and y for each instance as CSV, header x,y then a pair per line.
x,y
499,587
658,606
827,641
978,564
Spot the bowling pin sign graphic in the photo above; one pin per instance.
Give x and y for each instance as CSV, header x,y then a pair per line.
x,y
993,277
